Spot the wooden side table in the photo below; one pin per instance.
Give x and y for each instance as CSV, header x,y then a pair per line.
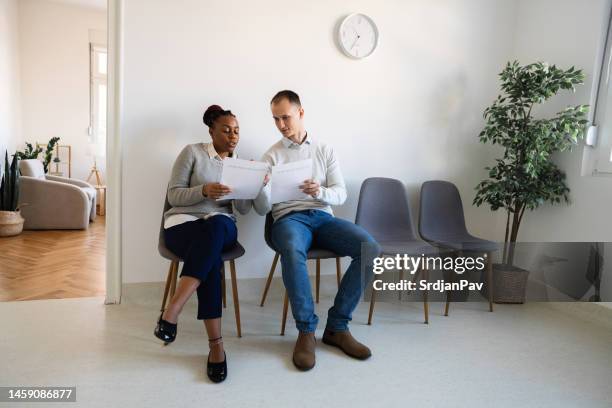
x,y
101,200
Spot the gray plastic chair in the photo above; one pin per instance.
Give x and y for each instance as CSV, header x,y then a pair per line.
x,y
442,223
383,210
313,253
236,252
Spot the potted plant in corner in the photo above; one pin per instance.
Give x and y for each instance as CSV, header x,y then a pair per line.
x,y
32,153
11,222
526,177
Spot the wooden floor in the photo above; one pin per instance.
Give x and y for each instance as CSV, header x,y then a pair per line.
x,y
54,264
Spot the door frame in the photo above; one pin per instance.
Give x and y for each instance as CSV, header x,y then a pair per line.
x,y
114,152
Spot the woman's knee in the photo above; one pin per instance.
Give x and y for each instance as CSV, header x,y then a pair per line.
x,y
219,226
220,223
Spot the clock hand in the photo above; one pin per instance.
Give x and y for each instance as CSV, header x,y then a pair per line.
x,y
355,43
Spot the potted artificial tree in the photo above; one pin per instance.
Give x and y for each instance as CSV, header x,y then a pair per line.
x,y
525,177
32,153
11,222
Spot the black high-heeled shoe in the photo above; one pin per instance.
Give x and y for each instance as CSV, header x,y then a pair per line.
x,y
165,331
217,372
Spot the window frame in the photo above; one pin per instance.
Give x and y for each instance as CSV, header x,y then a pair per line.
x,y
602,95
95,80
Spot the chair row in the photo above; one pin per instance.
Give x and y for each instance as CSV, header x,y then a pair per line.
x,y
383,210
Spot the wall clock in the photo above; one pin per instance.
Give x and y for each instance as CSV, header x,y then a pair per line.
x,y
358,36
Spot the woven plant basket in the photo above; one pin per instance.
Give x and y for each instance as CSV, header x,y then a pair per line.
x,y
11,223
509,284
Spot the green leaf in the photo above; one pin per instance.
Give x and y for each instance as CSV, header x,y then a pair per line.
x,y
526,175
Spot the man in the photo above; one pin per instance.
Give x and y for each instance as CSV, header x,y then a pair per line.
x,y
300,223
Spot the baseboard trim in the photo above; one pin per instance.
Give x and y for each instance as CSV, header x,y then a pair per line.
x,y
150,294
599,313
249,289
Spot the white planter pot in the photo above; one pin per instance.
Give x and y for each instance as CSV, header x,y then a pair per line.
x,y
11,223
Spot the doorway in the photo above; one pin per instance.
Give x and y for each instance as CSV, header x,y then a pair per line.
x,y
63,75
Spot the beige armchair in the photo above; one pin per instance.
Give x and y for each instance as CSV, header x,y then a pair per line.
x,y
51,202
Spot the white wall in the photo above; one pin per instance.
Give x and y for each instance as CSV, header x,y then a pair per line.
x,y
411,111
10,121
54,46
573,36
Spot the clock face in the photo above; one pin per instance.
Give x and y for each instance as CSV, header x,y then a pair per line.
x,y
358,36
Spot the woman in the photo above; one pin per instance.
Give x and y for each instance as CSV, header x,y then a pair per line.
x,y
198,228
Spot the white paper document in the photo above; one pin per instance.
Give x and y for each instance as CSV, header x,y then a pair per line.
x,y
287,179
244,177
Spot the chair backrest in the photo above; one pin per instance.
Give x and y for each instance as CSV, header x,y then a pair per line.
x,y
32,168
383,210
268,230
161,243
441,213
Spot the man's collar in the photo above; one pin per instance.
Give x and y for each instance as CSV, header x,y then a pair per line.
x,y
290,144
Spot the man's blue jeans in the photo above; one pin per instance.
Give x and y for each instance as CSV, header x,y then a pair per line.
x,y
293,235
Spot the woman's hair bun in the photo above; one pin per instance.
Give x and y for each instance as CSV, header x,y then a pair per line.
x,y
212,113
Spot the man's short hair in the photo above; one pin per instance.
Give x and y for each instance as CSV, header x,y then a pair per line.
x,y
289,95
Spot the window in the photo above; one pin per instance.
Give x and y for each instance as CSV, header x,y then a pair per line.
x,y
97,126
602,112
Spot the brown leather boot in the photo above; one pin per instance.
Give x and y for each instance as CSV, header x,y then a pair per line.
x,y
304,352
347,343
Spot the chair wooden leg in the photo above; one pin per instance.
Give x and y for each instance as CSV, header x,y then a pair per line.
x,y
372,301
425,274
235,296
223,288
338,271
448,292
174,279
490,280
167,288
267,287
447,303
318,278
285,308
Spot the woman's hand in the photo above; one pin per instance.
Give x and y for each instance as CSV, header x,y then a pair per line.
x,y
266,179
311,187
215,190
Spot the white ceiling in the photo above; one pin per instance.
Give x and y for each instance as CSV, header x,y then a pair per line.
x,y
97,4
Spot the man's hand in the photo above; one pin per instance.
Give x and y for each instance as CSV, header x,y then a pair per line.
x,y
266,178
311,187
215,190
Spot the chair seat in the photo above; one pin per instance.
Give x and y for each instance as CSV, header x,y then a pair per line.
x,y
411,247
236,252
319,253
468,243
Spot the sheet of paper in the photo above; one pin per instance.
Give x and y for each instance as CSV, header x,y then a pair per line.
x,y
244,177
287,179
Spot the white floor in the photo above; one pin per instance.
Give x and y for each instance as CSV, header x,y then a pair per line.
x,y
530,355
